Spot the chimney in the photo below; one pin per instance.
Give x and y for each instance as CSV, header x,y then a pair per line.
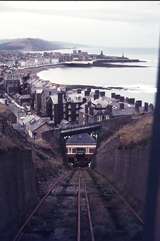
x,y
96,96
121,99
117,97
79,91
113,95
102,93
146,107
86,93
131,101
139,103
96,92
121,106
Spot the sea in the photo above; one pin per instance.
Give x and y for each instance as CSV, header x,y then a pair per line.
x,y
139,83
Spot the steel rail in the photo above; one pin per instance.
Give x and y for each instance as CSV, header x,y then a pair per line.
x,y
89,214
51,189
123,199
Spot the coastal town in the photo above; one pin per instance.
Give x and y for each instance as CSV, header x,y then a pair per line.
x,y
79,121
41,106
50,131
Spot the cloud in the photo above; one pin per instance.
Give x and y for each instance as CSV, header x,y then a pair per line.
x,y
104,23
142,12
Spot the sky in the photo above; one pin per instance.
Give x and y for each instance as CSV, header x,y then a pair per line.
x,y
100,23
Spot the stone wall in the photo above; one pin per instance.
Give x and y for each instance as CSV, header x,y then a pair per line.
x,y
17,190
124,157
18,194
126,167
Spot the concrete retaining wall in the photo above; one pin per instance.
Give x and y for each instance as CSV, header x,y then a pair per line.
x,y
126,167
17,190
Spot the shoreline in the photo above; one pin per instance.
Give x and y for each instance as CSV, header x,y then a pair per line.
x,y
33,72
102,65
36,70
70,87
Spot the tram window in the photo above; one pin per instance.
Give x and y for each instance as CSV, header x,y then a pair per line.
x,y
74,150
91,150
80,150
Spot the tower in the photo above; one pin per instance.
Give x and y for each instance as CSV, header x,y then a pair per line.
x,y
101,53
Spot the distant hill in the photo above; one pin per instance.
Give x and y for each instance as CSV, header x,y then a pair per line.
x,y
33,44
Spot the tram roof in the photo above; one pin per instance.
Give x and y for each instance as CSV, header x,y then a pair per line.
x,y
81,139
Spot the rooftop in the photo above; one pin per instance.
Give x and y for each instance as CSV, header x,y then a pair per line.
x,y
54,98
5,111
36,124
102,101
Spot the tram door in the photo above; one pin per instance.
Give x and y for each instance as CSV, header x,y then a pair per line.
x,y
81,156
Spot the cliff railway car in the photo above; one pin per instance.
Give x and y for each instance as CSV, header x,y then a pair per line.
x,y
80,149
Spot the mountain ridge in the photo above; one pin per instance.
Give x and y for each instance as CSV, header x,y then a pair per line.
x,y
34,44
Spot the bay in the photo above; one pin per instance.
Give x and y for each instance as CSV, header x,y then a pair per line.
x,y
139,83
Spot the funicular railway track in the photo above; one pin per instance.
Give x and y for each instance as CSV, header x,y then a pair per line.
x,y
108,217
78,207
23,231
88,213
